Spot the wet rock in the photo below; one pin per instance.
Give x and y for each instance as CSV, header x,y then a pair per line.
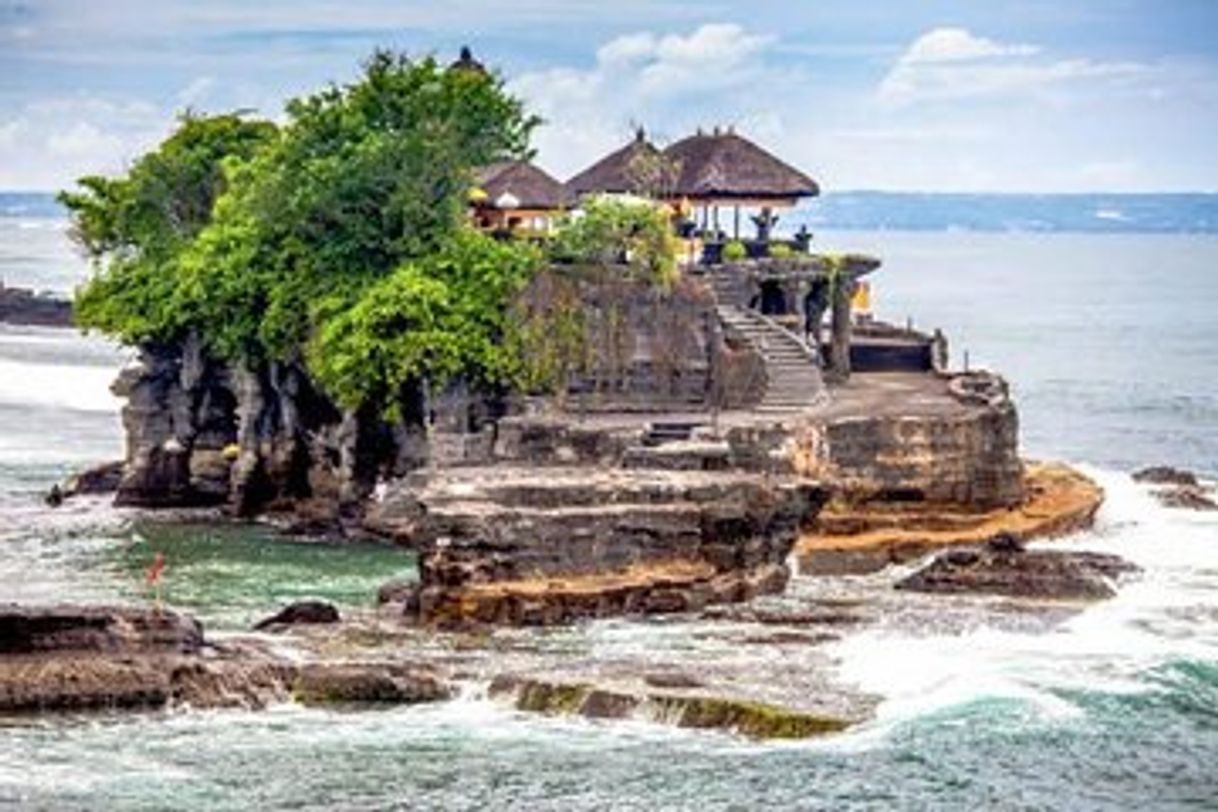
x,y
299,613
399,591
104,630
25,306
1005,568
753,719
1165,475
74,657
89,658
791,638
347,683
1186,497
100,479
811,616
672,679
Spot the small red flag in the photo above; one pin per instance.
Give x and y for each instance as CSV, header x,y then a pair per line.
x,y
158,566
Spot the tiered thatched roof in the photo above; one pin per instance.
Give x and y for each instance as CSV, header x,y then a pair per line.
x,y
725,165
617,172
719,165
529,186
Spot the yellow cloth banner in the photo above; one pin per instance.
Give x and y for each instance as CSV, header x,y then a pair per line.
x,y
861,303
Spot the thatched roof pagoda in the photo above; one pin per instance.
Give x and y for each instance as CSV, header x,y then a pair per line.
x,y
625,171
530,185
723,167
512,194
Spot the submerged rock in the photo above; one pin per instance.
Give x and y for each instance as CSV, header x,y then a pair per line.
x,y
298,613
1165,475
1004,567
748,718
1186,497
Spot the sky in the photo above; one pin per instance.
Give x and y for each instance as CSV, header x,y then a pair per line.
x,y
933,95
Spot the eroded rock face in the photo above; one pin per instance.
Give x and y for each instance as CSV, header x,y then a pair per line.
x,y
82,658
1005,567
518,547
203,433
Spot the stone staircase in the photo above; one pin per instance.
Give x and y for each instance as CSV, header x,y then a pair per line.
x,y
793,379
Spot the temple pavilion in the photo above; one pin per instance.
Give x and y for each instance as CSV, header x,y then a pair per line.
x,y
516,197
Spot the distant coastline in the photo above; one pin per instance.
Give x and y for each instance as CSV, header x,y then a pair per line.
x,y
1136,213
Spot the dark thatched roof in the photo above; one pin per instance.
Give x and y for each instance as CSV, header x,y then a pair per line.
x,y
529,184
616,173
727,165
467,62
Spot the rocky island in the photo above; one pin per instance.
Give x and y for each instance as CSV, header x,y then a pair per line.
x,y
571,401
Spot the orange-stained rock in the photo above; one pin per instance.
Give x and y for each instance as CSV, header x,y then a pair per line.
x,y
868,537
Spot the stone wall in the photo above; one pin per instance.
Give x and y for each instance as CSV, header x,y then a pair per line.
x,y
964,456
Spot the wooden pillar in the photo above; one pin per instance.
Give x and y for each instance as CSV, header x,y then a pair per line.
x,y
839,341
736,224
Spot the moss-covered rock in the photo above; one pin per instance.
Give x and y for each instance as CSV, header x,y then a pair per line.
x,y
748,718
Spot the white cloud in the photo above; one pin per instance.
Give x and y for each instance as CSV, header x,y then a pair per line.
x,y
49,143
948,64
958,44
662,81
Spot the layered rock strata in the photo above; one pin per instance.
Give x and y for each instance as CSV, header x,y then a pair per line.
x,y
852,538
69,658
521,547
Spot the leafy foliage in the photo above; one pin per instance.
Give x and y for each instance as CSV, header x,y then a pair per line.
x,y
338,238
734,251
141,223
436,317
637,236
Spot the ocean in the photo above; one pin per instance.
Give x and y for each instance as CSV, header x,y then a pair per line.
x,y
1109,342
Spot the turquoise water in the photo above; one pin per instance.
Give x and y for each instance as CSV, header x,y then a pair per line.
x,y
1109,343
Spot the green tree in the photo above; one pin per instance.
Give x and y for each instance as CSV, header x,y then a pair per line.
x,y
135,227
337,240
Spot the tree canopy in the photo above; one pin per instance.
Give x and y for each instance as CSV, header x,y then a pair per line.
x,y
336,239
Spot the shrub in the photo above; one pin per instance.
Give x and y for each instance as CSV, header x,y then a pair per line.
x,y
735,251
780,250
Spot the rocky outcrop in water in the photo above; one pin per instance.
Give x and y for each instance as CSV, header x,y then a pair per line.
x,y
81,658
26,307
203,433
857,538
1182,489
1005,567
519,547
